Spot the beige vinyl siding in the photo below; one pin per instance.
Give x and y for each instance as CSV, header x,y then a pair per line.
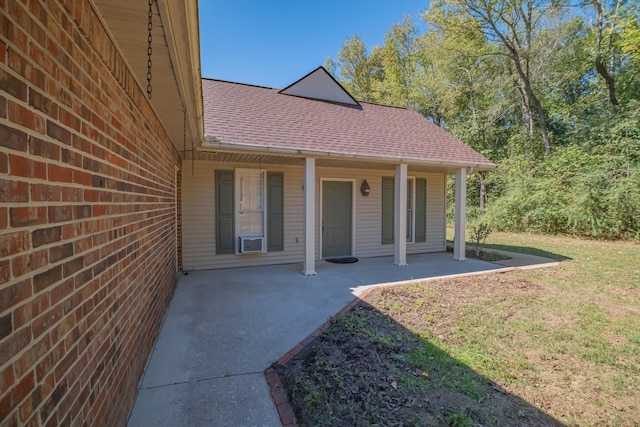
x,y
436,214
198,208
198,215
368,215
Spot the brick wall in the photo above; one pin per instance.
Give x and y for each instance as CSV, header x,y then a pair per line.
x,y
179,218
87,219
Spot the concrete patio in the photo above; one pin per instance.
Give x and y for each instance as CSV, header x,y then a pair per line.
x,y
225,327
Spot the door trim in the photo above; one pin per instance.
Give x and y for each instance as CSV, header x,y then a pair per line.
x,y
353,211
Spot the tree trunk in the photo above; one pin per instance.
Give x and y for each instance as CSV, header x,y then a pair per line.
x,y
527,117
483,192
542,120
599,60
526,89
532,100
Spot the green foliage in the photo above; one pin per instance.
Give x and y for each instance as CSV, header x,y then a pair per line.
x,y
572,192
358,71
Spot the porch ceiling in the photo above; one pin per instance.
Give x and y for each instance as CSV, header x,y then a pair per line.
x,y
268,159
175,69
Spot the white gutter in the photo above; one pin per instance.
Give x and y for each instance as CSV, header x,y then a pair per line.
x,y
212,144
183,43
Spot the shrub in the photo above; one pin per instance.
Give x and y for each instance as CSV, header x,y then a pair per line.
x,y
479,234
572,192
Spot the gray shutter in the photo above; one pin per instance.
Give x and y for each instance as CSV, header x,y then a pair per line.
x,y
388,191
421,210
225,224
275,211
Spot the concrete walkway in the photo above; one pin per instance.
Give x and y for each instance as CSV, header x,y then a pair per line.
x,y
225,327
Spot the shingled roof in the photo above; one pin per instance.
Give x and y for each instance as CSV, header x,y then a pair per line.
x,y
254,118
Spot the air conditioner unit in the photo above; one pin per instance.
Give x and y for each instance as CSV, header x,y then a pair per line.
x,y
251,244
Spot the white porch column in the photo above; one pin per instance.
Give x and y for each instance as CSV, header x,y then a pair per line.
x,y
309,268
460,225
400,215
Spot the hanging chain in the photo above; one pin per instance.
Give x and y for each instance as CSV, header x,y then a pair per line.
x,y
149,50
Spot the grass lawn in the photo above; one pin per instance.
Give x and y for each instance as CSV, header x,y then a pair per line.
x,y
538,347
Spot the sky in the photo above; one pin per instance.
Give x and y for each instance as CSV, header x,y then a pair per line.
x,y
274,43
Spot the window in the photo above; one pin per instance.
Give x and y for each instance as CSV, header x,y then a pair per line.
x,y
410,209
250,184
249,211
416,215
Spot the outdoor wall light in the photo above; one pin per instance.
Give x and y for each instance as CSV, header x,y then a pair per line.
x,y
364,188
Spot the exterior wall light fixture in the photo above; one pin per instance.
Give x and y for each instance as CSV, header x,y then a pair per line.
x,y
364,188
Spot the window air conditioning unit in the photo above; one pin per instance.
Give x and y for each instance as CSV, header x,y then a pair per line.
x,y
251,244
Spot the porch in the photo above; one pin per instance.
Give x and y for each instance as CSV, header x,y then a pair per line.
x,y
225,327
402,200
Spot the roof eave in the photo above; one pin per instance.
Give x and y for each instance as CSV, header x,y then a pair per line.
x,y
183,41
175,51
212,144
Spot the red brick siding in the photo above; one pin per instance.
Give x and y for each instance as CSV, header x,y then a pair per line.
x,y
179,219
87,219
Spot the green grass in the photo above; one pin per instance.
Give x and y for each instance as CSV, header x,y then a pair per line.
x,y
506,242
459,419
580,332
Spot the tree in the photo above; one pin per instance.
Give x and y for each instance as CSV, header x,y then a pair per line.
x,y
331,66
514,25
467,80
617,38
398,58
605,70
358,72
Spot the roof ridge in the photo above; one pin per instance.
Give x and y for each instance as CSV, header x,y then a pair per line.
x,y
378,104
386,105
238,83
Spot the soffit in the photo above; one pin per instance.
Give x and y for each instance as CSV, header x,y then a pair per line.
x,y
175,59
266,159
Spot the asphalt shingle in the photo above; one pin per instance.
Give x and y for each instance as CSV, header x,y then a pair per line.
x,y
242,115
